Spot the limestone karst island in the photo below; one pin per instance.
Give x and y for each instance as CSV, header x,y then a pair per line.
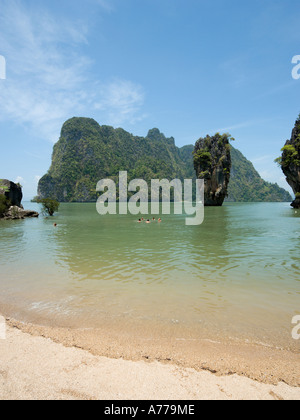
x,y
87,152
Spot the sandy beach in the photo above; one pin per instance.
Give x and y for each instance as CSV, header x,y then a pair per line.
x,y
35,367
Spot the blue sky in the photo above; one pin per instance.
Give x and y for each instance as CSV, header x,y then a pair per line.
x,y
188,67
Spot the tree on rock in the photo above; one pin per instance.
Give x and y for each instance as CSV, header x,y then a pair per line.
x,y
212,162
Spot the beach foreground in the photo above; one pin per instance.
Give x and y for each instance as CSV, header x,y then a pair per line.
x,y
35,367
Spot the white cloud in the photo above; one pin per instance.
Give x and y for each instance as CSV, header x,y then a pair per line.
x,y
263,159
48,76
233,127
19,180
106,4
243,124
122,100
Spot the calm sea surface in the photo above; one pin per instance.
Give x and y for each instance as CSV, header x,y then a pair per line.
x,y
238,274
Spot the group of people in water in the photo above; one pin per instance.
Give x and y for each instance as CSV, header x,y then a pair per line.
x,y
148,221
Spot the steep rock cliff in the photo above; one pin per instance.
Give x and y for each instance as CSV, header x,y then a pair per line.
x,y
10,202
290,162
12,192
212,161
87,152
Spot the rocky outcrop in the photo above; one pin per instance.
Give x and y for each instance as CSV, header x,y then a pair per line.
x,y
16,213
296,203
212,162
11,207
12,192
290,162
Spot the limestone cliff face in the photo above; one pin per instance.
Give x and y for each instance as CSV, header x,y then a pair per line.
x,y
12,192
212,161
11,207
290,162
87,152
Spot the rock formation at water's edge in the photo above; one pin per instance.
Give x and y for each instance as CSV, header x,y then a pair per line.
x,y
290,162
212,161
10,202
12,192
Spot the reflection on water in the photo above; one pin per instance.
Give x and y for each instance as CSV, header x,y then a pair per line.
x,y
237,273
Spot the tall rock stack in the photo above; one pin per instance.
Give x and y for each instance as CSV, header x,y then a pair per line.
x,y
212,161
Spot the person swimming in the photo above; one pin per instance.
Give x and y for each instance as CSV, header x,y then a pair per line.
x,y
159,220
148,222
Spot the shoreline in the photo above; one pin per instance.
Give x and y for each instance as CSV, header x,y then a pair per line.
x,y
34,367
256,362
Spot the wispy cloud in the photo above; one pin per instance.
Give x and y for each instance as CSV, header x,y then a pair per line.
x,y
49,77
19,180
235,70
263,159
106,4
233,127
122,100
244,124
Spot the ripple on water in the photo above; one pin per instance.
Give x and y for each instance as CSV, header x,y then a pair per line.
x,y
241,267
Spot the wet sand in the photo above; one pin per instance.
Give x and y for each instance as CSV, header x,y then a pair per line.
x,y
39,362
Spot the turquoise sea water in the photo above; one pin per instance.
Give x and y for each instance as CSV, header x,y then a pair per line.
x,y
238,274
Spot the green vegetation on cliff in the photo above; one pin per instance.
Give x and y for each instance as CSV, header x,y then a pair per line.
x,y
291,151
290,162
212,162
87,152
4,205
246,185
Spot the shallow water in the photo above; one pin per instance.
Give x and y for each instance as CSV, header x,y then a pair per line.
x,y
237,275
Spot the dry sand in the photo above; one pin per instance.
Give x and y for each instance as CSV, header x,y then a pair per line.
x,y
37,368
